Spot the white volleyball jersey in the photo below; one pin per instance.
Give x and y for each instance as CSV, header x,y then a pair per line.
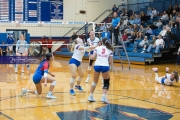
x,y
168,80
103,54
93,42
78,54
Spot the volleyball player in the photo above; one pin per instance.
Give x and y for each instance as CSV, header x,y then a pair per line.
x,y
21,50
104,55
92,40
75,64
168,79
41,76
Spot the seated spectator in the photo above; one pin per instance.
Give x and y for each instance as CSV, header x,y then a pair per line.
x,y
136,28
178,58
141,32
97,28
125,21
124,38
122,26
143,44
4,49
174,13
137,20
159,23
168,38
148,32
129,30
154,13
165,17
170,10
175,26
151,42
159,44
131,39
131,20
144,18
176,8
102,27
163,32
172,20
178,16
149,12
114,9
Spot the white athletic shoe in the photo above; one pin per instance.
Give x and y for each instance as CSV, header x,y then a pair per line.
x,y
50,96
23,92
167,69
155,69
104,100
91,99
88,78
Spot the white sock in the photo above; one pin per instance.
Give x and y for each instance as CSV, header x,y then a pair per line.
x,y
36,92
49,93
91,94
89,75
156,74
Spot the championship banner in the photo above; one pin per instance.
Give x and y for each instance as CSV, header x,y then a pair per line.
x,y
57,10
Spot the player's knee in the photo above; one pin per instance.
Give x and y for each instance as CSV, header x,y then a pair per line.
x,y
53,83
91,62
74,77
106,83
94,84
79,79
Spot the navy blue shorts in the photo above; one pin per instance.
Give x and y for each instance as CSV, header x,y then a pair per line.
x,y
74,61
37,78
102,69
91,52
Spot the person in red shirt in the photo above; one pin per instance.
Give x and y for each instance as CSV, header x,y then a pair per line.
x,y
44,47
49,44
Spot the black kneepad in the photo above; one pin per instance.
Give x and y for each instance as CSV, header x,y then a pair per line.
x,y
91,62
106,84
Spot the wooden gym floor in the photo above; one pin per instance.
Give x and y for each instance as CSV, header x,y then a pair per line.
x,y
133,95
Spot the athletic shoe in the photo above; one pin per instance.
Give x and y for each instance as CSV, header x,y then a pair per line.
x,y
50,96
88,78
155,69
142,51
23,92
167,69
22,70
104,100
91,99
79,88
72,92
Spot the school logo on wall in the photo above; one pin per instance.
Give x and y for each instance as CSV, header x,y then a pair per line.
x,y
116,112
57,10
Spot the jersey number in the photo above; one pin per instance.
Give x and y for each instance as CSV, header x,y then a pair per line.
x,y
103,51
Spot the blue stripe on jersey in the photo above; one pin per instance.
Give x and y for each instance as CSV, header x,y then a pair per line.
x,y
78,47
111,54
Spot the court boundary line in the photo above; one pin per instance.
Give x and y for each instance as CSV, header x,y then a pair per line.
x,y
6,116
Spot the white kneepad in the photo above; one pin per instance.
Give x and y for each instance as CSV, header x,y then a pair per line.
x,y
53,83
72,80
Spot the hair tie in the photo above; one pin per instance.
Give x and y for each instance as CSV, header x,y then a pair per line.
x,y
106,41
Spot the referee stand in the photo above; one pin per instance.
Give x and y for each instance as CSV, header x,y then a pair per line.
x,y
117,49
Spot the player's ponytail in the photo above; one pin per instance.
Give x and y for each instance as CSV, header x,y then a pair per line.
x,y
107,44
176,76
73,45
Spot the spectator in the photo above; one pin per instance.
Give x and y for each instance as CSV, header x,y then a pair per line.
x,y
148,32
124,38
165,17
125,22
170,10
176,8
115,25
141,32
136,28
44,45
114,9
74,36
137,20
130,39
97,28
4,49
151,42
149,12
154,13
143,44
159,23
172,20
49,44
122,26
159,44
178,58
168,38
163,32
10,43
143,18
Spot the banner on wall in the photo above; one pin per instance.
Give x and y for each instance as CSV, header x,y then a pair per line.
x,y
57,10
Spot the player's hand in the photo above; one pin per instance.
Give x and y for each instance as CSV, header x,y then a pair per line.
x,y
45,84
52,75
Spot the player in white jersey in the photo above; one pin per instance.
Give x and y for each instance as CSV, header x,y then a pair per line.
x,y
92,40
104,55
168,79
75,64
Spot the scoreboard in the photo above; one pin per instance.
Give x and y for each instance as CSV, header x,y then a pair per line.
x,y
31,10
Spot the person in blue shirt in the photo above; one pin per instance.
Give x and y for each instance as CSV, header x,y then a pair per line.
x,y
114,9
106,35
3,49
137,20
115,25
10,42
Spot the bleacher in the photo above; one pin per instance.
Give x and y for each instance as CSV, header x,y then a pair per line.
x,y
141,58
